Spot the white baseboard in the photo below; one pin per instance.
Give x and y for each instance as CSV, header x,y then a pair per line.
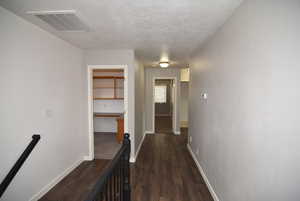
x,y
133,159
140,145
177,132
149,132
210,188
55,181
88,158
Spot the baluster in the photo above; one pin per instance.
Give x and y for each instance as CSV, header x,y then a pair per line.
x,y
122,178
101,196
119,181
106,191
115,187
110,189
127,190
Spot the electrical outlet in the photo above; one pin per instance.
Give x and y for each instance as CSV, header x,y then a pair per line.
x,y
197,151
191,139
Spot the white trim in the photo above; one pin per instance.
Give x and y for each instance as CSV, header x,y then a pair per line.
x,y
149,132
177,132
139,147
174,115
209,186
55,181
133,158
87,158
90,69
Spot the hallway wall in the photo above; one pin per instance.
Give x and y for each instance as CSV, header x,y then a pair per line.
x,y
184,104
139,129
247,131
41,79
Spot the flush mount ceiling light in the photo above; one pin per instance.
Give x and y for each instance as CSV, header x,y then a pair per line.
x,y
164,64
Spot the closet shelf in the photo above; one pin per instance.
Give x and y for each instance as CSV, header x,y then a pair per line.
x,y
108,88
108,77
108,98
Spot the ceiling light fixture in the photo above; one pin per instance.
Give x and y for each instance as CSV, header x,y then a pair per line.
x,y
164,64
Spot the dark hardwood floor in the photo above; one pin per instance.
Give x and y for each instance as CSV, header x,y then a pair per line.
x,y
164,171
77,185
163,125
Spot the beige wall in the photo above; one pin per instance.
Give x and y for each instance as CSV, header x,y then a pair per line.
x,y
41,79
247,131
139,104
184,103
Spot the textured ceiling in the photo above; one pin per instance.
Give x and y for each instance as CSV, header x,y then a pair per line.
x,y
155,29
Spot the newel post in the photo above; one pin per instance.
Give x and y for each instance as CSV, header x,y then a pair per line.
x,y
126,190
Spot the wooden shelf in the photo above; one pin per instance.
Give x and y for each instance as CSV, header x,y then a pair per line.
x,y
116,90
108,77
108,88
118,115
108,98
108,70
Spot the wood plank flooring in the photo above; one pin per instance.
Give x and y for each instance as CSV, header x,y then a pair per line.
x,y
77,185
164,171
163,124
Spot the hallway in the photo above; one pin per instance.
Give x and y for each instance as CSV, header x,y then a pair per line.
x,y
165,171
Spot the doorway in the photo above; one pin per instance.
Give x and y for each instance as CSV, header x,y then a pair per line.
x,y
108,103
164,105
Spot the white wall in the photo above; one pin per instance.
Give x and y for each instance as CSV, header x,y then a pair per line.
x,y
117,57
150,73
105,124
184,103
247,131
41,80
139,104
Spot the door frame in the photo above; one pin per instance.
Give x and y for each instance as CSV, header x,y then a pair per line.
x,y
174,109
90,69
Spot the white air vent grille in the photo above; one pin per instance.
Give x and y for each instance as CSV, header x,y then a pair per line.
x,y
61,20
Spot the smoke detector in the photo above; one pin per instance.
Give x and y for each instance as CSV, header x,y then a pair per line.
x,y
63,20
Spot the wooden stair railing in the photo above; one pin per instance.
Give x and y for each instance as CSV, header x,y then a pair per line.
x,y
114,184
14,170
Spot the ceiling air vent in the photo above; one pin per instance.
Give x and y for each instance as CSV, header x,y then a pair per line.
x,y
66,20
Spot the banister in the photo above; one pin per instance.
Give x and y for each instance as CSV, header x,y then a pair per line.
x,y
14,170
114,184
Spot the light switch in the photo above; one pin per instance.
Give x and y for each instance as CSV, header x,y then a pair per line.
x,y
204,96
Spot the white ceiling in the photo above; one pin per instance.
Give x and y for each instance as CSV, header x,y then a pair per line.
x,y
153,28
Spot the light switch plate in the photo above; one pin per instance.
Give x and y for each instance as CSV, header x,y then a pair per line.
x,y
204,96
